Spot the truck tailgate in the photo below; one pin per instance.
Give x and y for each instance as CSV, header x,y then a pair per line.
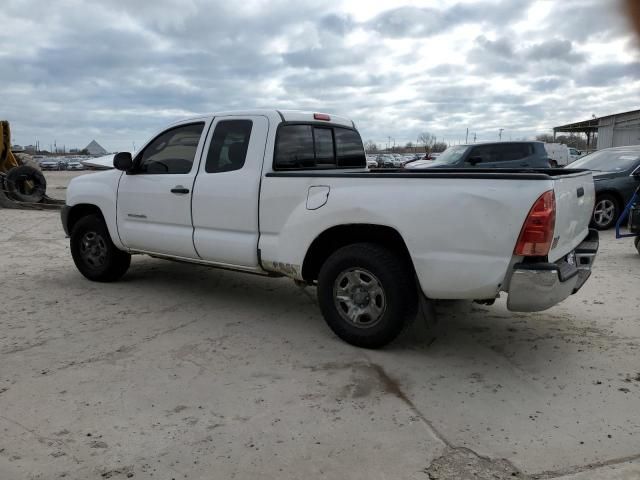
x,y
575,196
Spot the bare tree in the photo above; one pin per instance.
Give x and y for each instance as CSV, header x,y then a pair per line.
x,y
545,137
571,140
370,146
427,140
439,147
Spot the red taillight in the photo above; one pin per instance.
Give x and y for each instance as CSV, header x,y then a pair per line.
x,y
537,232
321,116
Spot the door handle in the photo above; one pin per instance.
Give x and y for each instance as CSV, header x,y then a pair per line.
x,y
179,189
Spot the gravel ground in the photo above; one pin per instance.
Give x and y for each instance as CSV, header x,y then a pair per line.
x,y
181,371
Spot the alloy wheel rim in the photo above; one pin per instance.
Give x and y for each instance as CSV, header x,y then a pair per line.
x,y
93,249
359,297
603,212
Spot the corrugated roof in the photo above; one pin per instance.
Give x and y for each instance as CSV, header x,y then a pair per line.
x,y
588,125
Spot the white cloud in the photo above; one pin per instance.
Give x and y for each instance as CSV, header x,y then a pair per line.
x,y
119,69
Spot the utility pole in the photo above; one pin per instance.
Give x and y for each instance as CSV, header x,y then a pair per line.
x,y
466,138
500,134
388,142
474,137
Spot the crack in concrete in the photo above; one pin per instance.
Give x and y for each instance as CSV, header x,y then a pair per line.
x,y
22,348
392,387
550,474
41,438
505,467
113,355
448,460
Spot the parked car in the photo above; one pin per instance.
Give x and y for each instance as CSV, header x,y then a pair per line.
x,y
372,162
74,165
396,160
489,155
560,155
575,154
613,170
386,160
49,164
287,193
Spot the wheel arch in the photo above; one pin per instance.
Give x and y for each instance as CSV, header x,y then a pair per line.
x,y
615,194
340,236
76,212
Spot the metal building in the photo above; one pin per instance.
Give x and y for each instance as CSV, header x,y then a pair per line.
x,y
617,130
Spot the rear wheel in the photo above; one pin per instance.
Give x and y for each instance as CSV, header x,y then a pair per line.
x,y
605,212
93,252
367,294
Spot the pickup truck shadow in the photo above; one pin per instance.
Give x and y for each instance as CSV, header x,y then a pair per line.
x,y
219,291
491,330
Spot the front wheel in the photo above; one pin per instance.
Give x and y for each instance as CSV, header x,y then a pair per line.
x,y
605,212
367,294
93,252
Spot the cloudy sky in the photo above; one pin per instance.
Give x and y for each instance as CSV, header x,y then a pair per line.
x,y
118,70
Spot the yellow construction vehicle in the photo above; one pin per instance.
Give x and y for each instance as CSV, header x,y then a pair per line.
x,y
20,184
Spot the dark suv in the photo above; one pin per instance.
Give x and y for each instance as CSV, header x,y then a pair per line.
x,y
489,155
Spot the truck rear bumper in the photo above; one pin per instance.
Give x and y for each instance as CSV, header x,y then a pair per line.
x,y
539,286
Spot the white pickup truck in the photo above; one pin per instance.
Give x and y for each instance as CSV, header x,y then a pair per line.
x,y
287,193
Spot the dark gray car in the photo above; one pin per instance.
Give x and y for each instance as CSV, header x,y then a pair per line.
x,y
613,170
489,155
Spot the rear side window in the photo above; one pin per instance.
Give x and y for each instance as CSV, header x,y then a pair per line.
x,y
228,148
294,147
502,153
349,149
309,147
516,151
172,151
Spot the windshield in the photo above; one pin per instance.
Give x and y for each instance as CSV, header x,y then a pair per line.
x,y
452,154
609,160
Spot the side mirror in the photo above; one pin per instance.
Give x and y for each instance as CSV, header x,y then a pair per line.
x,y
123,161
474,160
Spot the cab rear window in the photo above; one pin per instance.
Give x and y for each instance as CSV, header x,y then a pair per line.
x,y
304,146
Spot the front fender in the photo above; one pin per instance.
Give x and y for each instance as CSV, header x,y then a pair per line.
x,y
101,190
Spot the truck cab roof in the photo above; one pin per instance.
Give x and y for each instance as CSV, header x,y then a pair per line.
x,y
280,116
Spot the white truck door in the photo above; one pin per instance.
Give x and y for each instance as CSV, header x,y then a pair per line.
x,y
154,200
227,190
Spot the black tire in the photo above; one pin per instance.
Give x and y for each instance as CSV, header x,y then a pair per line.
x,y
607,202
395,308
93,252
637,244
25,184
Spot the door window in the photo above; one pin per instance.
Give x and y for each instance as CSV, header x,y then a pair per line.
x,y
228,148
172,151
486,153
